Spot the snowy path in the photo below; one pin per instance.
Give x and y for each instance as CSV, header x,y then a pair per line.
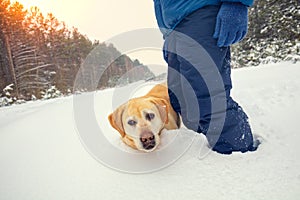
x,y
41,156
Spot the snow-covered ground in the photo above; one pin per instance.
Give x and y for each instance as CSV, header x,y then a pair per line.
x,y
42,157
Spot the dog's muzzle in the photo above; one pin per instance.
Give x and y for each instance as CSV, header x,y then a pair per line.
x,y
148,140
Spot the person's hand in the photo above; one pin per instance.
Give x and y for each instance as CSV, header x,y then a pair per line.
x,y
232,23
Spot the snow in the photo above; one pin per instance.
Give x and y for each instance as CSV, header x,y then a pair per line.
x,y
42,155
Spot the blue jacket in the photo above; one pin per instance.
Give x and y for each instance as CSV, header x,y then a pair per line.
x,y
170,12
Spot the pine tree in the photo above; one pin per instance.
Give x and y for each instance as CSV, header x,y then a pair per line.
x,y
29,62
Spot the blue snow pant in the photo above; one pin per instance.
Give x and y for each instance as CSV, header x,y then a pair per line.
x,y
196,69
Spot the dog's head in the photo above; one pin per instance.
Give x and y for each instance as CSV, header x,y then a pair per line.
x,y
140,122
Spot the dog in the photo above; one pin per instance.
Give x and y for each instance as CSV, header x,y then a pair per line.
x,y
140,121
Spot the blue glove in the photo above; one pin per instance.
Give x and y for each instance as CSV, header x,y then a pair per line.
x,y
232,23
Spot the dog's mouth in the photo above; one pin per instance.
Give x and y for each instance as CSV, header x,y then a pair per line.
x,y
149,146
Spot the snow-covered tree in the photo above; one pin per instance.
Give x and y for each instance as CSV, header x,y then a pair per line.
x,y
274,34
6,97
51,93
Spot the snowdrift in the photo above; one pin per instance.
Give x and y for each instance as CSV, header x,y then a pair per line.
x,y
42,157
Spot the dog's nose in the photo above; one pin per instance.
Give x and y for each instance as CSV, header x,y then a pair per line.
x,y
148,140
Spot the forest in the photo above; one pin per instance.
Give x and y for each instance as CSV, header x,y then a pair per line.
x,y
40,55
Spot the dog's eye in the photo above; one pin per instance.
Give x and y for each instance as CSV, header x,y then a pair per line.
x,y
150,116
132,122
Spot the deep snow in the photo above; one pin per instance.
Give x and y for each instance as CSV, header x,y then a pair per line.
x,y
42,157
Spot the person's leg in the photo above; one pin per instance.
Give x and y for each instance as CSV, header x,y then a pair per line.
x,y
179,87
173,82
236,133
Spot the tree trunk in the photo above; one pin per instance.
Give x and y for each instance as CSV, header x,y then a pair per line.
x,y
11,65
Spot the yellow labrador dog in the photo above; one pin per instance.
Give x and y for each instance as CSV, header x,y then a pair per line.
x,y
141,120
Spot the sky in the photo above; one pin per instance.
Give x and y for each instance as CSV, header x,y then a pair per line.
x,y
104,19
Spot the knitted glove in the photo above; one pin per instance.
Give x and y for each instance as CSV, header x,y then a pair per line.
x,y
232,23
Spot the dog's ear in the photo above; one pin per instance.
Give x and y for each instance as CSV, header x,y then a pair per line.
x,y
115,120
162,106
